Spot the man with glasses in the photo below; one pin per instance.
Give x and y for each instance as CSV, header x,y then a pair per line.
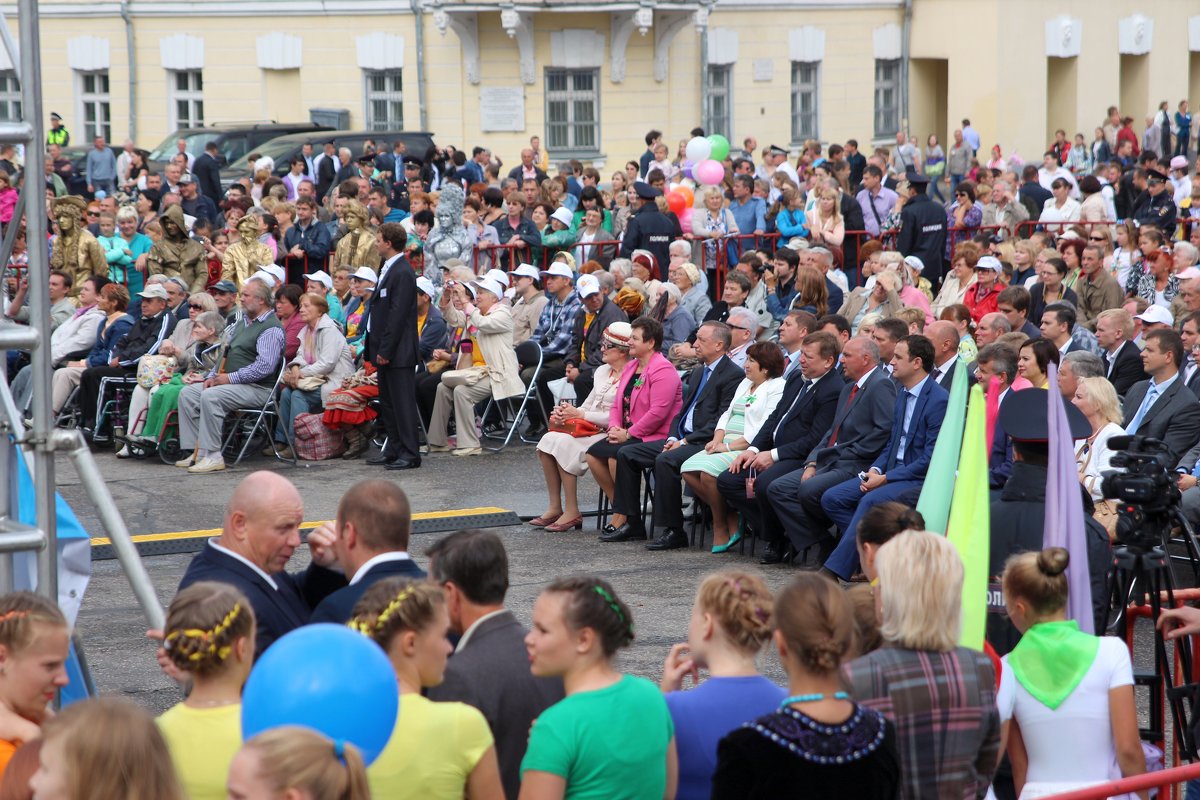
x,y
743,326
1096,288
1003,209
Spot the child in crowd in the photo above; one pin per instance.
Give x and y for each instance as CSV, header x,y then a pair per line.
x,y
438,751
300,764
210,638
34,642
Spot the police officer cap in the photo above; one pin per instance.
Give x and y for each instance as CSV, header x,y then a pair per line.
x,y
777,150
916,178
646,191
412,160
1023,417
1155,173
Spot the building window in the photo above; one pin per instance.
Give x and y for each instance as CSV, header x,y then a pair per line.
x,y
716,105
385,100
573,110
805,76
887,97
187,98
10,96
94,105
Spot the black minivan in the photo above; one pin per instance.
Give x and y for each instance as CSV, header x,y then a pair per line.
x,y
233,140
284,148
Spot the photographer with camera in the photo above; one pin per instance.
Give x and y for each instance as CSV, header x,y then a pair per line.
x,y
1019,516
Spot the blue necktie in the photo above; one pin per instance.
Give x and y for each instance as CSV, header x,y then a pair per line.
x,y
683,421
1151,396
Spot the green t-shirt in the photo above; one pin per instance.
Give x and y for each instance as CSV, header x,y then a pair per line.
x,y
609,744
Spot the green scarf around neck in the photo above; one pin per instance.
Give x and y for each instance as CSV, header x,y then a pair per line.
x,y
1051,659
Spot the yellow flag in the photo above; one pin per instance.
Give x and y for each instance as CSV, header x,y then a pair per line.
x,y
969,524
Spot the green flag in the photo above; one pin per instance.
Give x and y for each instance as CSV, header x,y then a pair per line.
x,y
934,504
969,525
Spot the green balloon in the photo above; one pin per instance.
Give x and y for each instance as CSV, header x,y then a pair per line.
x,y
720,147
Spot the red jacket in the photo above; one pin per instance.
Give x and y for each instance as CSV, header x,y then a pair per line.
x,y
984,303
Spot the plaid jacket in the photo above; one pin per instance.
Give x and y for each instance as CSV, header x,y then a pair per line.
x,y
944,708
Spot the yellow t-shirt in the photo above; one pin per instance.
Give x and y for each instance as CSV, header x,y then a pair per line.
x,y
432,752
203,742
476,353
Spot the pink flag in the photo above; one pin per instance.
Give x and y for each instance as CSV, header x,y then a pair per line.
x,y
993,410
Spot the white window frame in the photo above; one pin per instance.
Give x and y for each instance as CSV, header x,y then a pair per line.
x,y
887,117
99,102
10,96
388,95
812,88
572,97
720,86
193,96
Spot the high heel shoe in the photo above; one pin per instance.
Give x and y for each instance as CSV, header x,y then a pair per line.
x,y
576,523
724,548
541,522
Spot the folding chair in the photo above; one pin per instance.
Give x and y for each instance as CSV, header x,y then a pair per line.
x,y
247,422
529,354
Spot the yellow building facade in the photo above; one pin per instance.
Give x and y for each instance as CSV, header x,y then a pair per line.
x,y
591,78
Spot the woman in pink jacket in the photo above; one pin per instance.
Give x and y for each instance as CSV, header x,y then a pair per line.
x,y
649,395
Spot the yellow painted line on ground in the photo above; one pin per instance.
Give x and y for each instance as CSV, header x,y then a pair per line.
x,y
98,541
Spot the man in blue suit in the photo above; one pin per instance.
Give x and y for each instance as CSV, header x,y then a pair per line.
x,y
371,544
899,470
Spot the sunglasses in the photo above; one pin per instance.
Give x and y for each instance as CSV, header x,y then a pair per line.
x,y
195,307
740,327
93,213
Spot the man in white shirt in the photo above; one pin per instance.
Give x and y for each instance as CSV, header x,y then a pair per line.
x,y
1051,169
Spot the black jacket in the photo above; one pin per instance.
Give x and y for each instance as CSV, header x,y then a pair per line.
x,y
208,176
1018,525
1127,368
923,234
326,171
795,427
391,317
650,229
145,337
589,342
712,402
337,607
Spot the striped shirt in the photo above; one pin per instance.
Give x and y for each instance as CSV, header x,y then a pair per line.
x,y
944,708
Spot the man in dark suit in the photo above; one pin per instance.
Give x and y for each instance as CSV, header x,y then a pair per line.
x,y
805,411
1058,321
207,169
1189,331
490,667
708,392
998,361
392,346
327,167
370,540
946,362
859,430
899,470
1162,407
1122,358
261,531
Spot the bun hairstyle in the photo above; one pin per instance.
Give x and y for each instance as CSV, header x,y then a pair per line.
x,y
291,757
593,603
885,520
396,605
1038,578
741,604
203,622
816,621
20,613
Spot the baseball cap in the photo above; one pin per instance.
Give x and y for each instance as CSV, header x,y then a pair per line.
x,y
488,285
275,271
529,271
365,274
498,275
561,270
915,263
154,290
186,178
987,262
424,286
1156,315
321,277
587,286
225,287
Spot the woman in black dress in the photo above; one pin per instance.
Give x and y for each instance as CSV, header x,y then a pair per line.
x,y
820,743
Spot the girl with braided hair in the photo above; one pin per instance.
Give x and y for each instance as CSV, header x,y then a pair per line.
x,y
210,638
298,764
438,751
730,623
34,640
817,743
612,735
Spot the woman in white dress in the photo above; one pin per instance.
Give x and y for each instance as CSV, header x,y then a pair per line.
x,y
563,456
1066,697
1097,399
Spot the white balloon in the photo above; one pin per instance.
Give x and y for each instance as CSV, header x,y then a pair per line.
x,y
698,149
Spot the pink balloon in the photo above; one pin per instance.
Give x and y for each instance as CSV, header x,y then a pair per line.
x,y
685,221
709,172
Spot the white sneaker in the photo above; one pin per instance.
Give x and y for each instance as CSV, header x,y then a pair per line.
x,y
468,451
124,452
209,464
184,463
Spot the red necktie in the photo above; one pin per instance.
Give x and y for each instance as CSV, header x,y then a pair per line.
x,y
833,436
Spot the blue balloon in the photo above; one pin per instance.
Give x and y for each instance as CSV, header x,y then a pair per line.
x,y
325,677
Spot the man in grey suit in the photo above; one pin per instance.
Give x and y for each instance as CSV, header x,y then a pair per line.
x,y
1163,407
860,430
490,668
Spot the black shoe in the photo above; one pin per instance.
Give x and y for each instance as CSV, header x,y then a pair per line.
x,y
535,431
671,539
494,430
404,463
773,554
379,458
625,533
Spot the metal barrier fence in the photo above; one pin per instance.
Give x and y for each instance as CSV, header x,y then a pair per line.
x,y
1023,230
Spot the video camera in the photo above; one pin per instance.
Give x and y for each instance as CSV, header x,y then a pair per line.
x,y
1145,491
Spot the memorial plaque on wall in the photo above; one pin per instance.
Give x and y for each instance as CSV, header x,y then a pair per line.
x,y
502,108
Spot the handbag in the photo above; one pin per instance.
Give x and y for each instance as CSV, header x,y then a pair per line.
x,y
311,382
463,377
156,369
579,428
1105,510
750,483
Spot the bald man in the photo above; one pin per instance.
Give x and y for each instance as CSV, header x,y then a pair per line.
x,y
945,340
260,534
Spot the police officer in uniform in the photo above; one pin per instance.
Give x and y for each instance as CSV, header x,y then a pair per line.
x,y
58,133
923,228
1156,206
649,228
